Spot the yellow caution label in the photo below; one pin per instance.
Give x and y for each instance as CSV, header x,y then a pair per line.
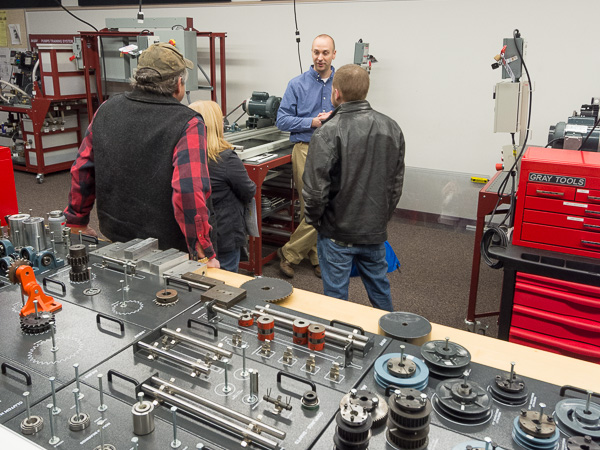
x,y
479,180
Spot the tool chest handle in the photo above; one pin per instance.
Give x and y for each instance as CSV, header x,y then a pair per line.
x,y
112,319
540,191
204,324
60,283
590,243
19,371
281,374
345,324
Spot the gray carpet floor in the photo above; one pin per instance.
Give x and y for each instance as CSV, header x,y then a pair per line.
x,y
433,281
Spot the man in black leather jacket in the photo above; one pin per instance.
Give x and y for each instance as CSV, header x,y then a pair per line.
x,y
352,184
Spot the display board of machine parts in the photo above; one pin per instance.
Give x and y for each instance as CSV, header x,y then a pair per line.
x,y
44,100
128,346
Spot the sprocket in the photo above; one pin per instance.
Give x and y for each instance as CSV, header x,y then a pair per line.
x,y
37,323
12,269
270,290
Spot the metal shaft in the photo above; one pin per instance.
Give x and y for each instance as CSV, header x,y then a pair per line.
x,y
35,306
542,406
80,237
134,441
208,416
194,365
332,336
512,371
76,367
219,408
334,330
253,384
587,402
244,371
53,438
226,312
226,388
53,244
101,425
189,340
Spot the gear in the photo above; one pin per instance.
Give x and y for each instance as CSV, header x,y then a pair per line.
x,y
37,323
271,290
12,269
371,402
166,297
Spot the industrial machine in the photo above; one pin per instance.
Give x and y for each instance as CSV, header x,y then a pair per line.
x,y
261,109
579,131
147,352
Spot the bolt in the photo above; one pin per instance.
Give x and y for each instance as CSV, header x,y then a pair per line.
x,y
52,242
512,371
54,347
102,406
353,393
76,394
134,441
101,425
54,439
542,406
402,357
35,306
26,395
587,402
423,399
80,237
176,443
55,409
226,388
446,346
76,367
488,443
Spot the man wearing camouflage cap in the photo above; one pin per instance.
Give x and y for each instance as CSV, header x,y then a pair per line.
x,y
143,160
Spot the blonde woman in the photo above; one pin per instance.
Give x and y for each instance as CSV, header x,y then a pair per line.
x,y
231,187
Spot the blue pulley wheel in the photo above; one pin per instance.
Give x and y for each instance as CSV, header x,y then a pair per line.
x,y
388,371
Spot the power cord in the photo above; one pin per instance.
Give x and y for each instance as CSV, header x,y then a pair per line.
x,y
497,236
297,36
590,133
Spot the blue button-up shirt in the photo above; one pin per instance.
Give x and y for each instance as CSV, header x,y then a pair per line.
x,y
305,98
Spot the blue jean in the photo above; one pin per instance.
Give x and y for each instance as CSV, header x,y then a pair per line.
x,y
230,260
336,264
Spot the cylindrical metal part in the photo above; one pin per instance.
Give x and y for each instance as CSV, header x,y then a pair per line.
x,y
194,365
170,387
226,312
253,383
316,337
143,416
102,406
78,258
34,233
342,333
246,320
266,328
182,337
300,329
208,416
175,443
15,222
56,222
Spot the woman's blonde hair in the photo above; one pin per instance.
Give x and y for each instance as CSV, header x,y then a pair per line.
x,y
213,119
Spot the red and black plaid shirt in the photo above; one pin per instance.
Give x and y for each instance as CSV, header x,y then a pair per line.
x,y
191,186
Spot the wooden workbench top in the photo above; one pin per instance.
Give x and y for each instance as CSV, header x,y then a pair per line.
x,y
545,366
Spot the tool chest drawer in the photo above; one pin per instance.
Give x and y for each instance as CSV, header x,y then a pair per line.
x,y
553,344
561,220
587,243
554,297
550,191
552,324
562,207
587,195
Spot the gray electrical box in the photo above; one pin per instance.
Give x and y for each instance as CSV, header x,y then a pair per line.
x,y
361,53
120,66
511,52
506,117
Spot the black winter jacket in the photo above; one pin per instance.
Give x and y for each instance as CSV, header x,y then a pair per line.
x,y
353,175
231,189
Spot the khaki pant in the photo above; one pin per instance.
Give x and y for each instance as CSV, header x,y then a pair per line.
x,y
303,242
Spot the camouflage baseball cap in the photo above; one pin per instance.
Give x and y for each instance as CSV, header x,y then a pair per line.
x,y
165,59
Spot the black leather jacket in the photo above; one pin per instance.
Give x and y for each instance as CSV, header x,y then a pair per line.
x,y
353,175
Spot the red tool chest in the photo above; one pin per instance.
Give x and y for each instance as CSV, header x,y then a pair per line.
x,y
8,196
558,201
558,316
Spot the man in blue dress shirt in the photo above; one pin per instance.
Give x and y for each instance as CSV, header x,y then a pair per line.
x,y
305,104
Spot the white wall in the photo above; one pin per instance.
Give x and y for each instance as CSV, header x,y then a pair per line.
x,y
433,77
